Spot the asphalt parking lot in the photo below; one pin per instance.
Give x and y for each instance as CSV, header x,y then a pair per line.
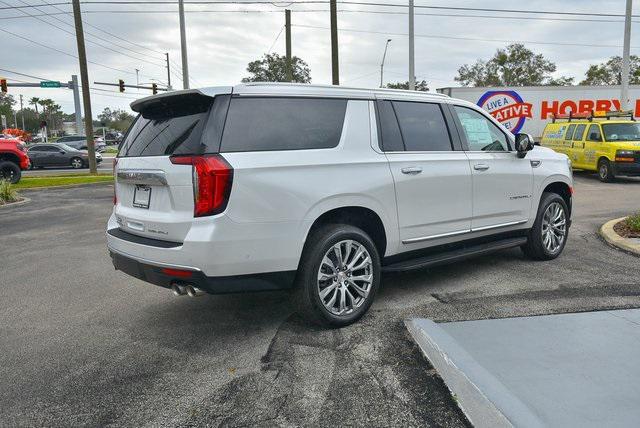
x,y
85,345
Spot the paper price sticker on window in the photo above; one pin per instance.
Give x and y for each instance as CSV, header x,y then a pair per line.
x,y
477,130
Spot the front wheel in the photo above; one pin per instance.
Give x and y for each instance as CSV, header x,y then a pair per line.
x,y
77,163
605,173
10,171
339,275
550,231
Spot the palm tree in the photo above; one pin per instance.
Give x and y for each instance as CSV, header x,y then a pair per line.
x,y
34,101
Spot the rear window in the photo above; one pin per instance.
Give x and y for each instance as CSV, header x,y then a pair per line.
x,y
267,124
171,125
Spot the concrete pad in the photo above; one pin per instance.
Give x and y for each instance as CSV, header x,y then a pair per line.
x,y
556,370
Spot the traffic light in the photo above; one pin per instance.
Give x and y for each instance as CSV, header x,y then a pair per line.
x,y
3,85
154,88
121,85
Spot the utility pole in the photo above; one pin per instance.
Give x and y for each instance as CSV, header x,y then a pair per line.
x,y
335,68
76,103
84,79
168,72
287,31
22,112
624,90
384,55
412,65
137,77
183,46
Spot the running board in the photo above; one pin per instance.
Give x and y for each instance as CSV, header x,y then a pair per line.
x,y
454,255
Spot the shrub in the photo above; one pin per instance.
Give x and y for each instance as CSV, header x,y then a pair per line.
x,y
633,222
7,192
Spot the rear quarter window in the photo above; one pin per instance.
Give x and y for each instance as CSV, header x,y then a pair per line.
x,y
268,124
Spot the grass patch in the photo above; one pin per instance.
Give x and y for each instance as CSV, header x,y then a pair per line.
x,y
7,192
633,222
113,150
61,180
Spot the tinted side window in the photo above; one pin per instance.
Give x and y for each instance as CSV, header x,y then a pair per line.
x,y
422,126
594,133
266,124
481,133
569,134
389,129
579,133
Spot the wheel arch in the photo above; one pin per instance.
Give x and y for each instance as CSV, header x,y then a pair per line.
x,y
10,157
562,188
363,217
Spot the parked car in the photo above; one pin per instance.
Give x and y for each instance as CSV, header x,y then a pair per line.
x,y
607,142
321,189
80,142
59,155
13,159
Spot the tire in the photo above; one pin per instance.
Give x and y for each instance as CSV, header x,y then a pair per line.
x,y
77,163
10,171
545,242
321,245
605,173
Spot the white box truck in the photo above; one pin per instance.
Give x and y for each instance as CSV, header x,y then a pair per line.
x,y
529,108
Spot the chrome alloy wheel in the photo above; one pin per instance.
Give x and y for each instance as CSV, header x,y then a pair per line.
x,y
603,170
76,163
345,277
554,227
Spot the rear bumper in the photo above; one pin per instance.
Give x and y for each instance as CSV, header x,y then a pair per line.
x,y
627,168
154,274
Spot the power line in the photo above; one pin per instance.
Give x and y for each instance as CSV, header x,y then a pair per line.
x,y
63,52
22,74
72,33
434,36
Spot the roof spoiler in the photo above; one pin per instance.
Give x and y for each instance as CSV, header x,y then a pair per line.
x,y
140,104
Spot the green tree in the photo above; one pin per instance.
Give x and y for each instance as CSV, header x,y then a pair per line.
x,y
610,72
6,106
420,86
115,119
513,66
273,68
34,101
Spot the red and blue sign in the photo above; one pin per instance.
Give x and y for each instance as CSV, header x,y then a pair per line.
x,y
507,107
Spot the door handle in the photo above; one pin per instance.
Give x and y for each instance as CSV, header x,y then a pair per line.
x,y
412,170
481,167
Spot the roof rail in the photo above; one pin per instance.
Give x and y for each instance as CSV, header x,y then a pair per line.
x,y
350,88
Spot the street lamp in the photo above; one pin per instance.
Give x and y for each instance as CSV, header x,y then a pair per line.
x,y
382,63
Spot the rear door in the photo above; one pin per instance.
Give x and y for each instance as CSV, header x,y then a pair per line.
x,y
578,146
155,197
502,182
430,171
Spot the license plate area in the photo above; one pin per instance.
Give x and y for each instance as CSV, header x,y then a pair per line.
x,y
141,196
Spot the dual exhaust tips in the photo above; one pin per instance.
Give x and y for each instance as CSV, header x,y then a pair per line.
x,y
189,290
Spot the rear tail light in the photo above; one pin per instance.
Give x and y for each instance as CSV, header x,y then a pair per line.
x,y
178,273
212,179
115,197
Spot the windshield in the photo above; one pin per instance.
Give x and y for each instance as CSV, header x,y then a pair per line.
x,y
621,132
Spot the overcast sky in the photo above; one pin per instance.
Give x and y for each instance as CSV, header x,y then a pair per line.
x,y
221,43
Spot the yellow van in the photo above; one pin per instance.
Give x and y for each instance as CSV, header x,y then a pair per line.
x,y
606,142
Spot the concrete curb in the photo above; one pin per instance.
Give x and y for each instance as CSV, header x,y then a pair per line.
x,y
15,204
615,240
462,373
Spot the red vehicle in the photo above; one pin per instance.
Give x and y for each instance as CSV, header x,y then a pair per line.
x,y
13,159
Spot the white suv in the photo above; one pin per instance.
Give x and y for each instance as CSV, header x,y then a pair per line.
x,y
321,189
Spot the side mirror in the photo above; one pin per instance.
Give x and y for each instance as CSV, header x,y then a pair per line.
x,y
524,143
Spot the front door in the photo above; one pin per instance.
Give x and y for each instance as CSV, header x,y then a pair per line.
x,y
432,180
502,182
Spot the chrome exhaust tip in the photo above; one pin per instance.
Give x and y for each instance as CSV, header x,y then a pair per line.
x,y
178,290
193,292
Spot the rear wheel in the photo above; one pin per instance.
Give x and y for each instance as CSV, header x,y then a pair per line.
x,y
10,171
550,231
338,277
77,163
605,173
